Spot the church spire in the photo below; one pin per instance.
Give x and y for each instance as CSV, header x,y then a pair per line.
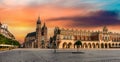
x,y
44,24
38,21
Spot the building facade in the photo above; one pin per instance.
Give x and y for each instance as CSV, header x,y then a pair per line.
x,y
4,31
37,39
90,39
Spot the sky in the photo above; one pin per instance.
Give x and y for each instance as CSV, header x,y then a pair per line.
x,y
21,15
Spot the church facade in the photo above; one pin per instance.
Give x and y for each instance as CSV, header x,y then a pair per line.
x,y
90,39
37,39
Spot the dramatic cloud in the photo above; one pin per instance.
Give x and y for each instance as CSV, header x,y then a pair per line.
x,y
98,18
21,15
91,5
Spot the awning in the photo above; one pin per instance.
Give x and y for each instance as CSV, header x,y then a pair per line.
x,y
6,45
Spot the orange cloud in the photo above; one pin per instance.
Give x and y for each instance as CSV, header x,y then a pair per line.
x,y
22,20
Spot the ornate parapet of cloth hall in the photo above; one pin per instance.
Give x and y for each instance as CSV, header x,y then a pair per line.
x,y
90,39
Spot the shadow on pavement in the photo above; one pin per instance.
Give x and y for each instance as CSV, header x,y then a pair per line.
x,y
69,52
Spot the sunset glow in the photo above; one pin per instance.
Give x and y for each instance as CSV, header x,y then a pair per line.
x,y
21,15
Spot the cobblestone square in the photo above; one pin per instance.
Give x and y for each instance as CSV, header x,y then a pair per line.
x,y
47,55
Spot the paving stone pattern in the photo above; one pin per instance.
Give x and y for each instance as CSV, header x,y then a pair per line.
x,y
48,55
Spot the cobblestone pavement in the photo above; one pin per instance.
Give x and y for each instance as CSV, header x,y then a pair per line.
x,y
47,55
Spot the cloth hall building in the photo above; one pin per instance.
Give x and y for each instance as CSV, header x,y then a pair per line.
x,y
90,39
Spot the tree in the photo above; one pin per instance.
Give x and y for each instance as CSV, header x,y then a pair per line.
x,y
51,42
56,32
5,40
78,43
54,43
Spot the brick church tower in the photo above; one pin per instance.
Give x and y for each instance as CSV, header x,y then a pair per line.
x,y
41,34
38,32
